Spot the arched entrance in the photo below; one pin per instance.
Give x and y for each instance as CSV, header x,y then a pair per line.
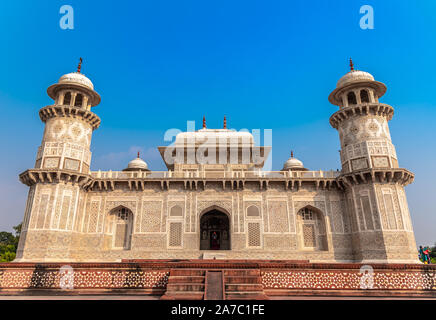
x,y
120,225
214,231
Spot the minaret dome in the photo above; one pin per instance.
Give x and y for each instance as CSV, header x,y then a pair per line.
x,y
74,89
356,87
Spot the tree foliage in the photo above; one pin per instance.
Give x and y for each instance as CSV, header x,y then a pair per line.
x,y
9,244
433,251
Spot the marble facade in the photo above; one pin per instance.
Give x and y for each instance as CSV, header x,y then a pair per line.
x,y
358,214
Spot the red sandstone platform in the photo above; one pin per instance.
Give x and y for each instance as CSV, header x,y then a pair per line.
x,y
200,279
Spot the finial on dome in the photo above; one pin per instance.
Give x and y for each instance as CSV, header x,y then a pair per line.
x,y
137,165
293,164
80,65
225,122
204,122
351,65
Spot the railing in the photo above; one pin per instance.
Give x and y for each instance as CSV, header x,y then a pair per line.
x,y
214,174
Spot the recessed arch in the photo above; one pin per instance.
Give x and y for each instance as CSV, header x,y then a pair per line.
x,y
117,204
120,226
176,211
78,101
67,98
351,97
313,206
364,96
214,229
253,211
312,228
316,211
214,207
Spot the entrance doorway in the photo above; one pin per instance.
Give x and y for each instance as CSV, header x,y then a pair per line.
x,y
214,231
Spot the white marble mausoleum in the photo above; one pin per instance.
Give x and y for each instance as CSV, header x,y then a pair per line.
x,y
215,200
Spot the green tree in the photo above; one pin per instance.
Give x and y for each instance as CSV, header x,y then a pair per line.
x,y
18,230
9,244
433,251
6,237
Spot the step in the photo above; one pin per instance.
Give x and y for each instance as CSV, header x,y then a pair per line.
x,y
244,288
186,279
187,272
189,287
246,296
243,279
214,255
242,272
260,296
193,295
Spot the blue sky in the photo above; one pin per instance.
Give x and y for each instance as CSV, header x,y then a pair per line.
x,y
263,64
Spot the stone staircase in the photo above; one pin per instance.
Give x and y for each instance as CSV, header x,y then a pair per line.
x,y
243,284
185,284
214,284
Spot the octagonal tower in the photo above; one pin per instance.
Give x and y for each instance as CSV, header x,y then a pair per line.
x,y
61,169
374,182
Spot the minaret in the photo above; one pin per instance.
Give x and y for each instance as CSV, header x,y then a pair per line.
x,y
374,183
69,121
61,170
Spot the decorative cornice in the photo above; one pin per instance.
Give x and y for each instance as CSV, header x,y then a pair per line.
x,y
33,176
388,175
139,184
69,111
137,181
377,109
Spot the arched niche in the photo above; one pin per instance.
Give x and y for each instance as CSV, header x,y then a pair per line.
x,y
176,211
351,98
214,229
120,226
312,229
253,212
